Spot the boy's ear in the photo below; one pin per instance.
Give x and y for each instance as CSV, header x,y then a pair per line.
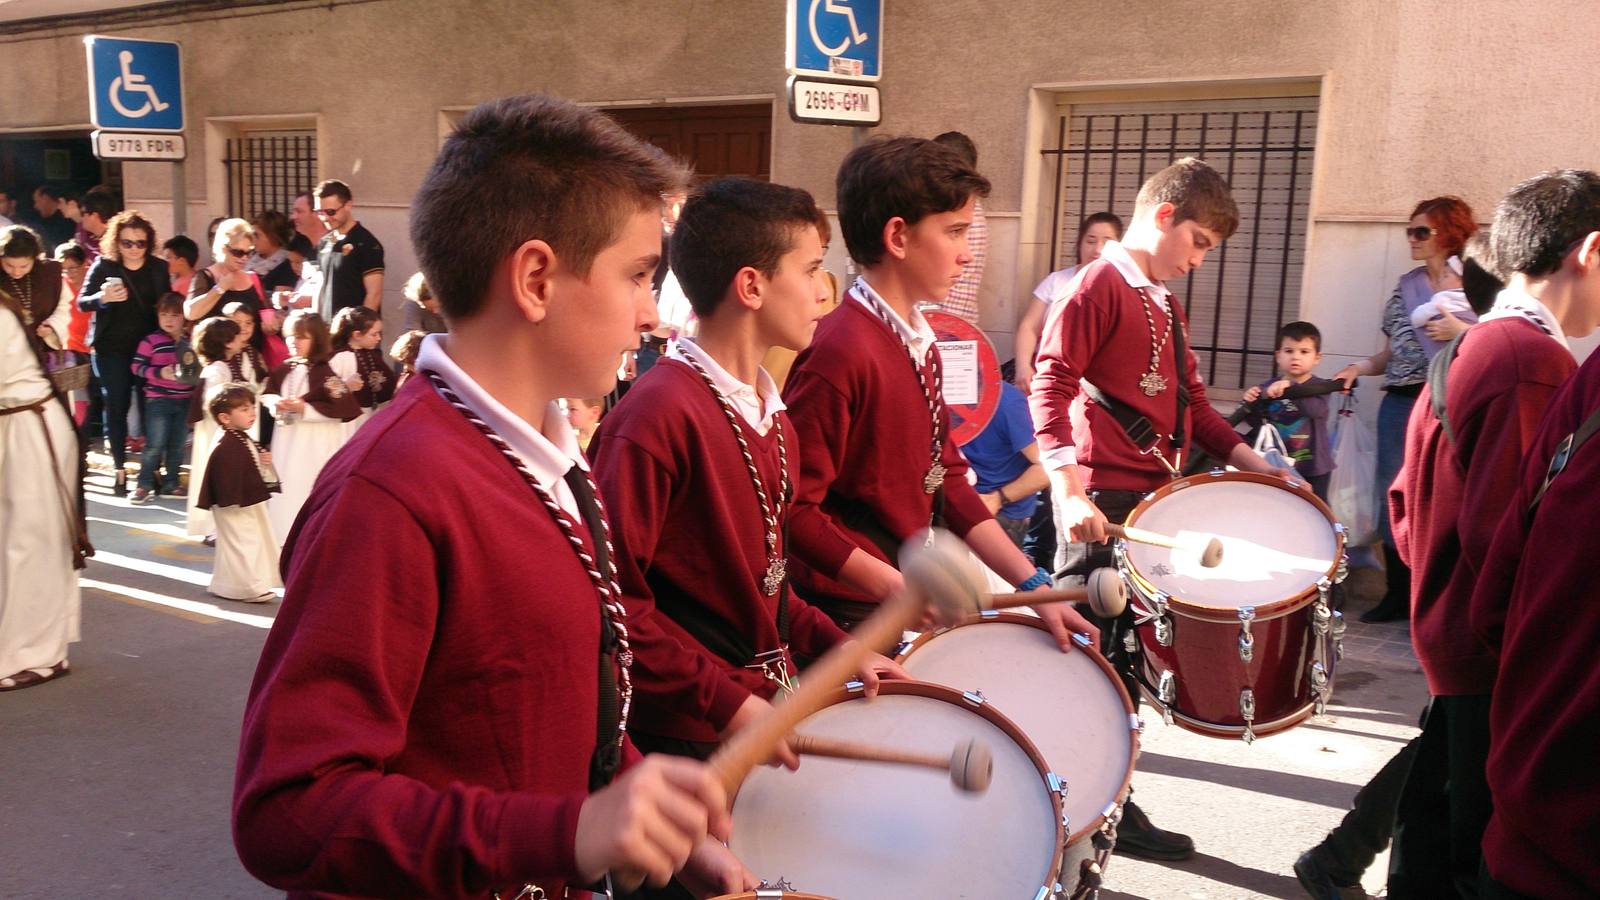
x,y
1591,246
749,288
895,235
529,274
1162,215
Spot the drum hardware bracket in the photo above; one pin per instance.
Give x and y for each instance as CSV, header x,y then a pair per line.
x,y
1136,723
774,889
774,666
1247,710
1082,640
1320,683
528,892
854,687
1130,642
989,614
1338,635
976,698
1167,693
1056,783
1247,641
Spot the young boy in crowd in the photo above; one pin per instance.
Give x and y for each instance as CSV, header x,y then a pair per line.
x,y
699,462
583,414
1302,422
431,717
876,461
1115,350
239,478
170,371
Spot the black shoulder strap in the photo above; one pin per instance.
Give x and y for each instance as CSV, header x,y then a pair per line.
x,y
1180,361
1564,453
1138,428
1438,378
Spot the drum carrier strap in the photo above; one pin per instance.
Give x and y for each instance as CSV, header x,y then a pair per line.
x,y
1438,379
1563,455
1139,429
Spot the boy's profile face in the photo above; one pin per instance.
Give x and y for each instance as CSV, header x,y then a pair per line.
x,y
1182,246
239,418
1297,357
795,294
592,320
936,251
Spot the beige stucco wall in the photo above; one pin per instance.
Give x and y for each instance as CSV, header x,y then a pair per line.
x,y
1417,98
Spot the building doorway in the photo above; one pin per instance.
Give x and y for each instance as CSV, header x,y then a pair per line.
x,y
717,141
64,160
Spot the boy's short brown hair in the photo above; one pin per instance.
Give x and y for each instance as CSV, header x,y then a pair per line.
x,y
553,170
731,223
212,336
1197,193
908,177
229,397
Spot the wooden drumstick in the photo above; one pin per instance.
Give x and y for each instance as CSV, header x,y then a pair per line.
x,y
1210,557
934,573
1105,593
970,764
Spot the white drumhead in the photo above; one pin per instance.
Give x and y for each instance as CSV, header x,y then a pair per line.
x,y
1065,703
1275,543
857,829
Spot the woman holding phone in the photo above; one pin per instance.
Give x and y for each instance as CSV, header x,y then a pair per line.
x,y
121,289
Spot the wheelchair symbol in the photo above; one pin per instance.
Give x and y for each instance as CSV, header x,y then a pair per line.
x,y
133,83
856,36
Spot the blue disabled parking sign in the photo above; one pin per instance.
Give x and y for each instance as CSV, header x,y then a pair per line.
x,y
835,39
134,85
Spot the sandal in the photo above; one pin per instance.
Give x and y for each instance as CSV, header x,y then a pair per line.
x,y
29,677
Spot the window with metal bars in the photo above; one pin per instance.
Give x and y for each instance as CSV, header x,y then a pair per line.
x,y
1250,285
267,168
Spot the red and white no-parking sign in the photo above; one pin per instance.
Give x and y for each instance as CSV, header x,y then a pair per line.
x,y
971,374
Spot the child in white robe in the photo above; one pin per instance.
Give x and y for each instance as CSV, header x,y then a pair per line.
x,y
220,344
238,481
357,334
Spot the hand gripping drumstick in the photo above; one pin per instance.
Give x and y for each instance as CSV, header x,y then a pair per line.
x,y
1210,557
937,573
1105,593
971,764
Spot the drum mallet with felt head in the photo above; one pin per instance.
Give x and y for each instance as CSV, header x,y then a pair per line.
x,y
1105,593
1210,556
971,764
937,571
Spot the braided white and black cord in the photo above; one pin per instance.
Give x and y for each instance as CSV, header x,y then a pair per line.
x,y
934,394
605,584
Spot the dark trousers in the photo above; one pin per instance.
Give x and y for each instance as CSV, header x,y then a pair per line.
x,y
1444,806
166,427
93,426
1040,544
116,392
1073,563
1015,529
1350,848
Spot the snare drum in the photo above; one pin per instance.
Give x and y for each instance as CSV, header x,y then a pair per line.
x,y
1247,648
847,828
1071,705
765,894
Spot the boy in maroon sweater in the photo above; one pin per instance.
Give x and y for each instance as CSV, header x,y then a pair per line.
x,y
440,708
697,464
1533,603
876,461
1116,332
1499,383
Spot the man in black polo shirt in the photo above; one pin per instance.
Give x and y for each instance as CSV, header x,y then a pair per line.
x,y
349,257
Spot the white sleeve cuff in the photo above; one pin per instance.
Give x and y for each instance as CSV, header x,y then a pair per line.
x,y
1059,458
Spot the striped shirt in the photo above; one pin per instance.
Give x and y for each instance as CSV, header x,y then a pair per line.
x,y
156,352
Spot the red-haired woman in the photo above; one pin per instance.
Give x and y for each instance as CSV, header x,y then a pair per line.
x,y
1438,230
121,289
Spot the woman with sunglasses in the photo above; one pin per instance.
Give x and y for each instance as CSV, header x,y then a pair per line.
x,y
121,289
228,279
1439,228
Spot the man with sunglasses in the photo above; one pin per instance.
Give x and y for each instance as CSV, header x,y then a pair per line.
x,y
349,257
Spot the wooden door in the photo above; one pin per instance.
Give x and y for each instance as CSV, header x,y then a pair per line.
x,y
716,141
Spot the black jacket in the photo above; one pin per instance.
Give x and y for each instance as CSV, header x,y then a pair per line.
x,y
119,327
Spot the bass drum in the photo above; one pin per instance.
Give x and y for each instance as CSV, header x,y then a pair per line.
x,y
858,830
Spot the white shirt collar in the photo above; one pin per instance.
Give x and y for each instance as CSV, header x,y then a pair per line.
x,y
1113,252
1512,303
758,403
548,454
917,333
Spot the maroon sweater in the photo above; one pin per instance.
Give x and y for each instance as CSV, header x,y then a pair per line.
x,y
423,714
1101,333
689,535
864,433
1536,602
1499,385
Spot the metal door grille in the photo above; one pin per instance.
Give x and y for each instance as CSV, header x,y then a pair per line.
x,y
1251,284
266,169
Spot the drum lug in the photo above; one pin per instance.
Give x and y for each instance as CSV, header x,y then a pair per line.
x,y
1247,711
1321,684
1130,642
1164,632
1247,641
974,698
1167,693
1135,723
1338,635
1056,783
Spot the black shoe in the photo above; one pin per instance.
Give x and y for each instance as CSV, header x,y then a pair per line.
x,y
1314,877
119,484
1136,836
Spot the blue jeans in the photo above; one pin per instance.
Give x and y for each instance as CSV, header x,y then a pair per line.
x,y
1393,414
116,388
166,426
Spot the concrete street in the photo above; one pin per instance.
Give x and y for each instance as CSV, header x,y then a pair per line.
x,y
117,779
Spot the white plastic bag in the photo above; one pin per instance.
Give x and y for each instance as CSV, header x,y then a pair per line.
x,y
1269,443
1350,491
